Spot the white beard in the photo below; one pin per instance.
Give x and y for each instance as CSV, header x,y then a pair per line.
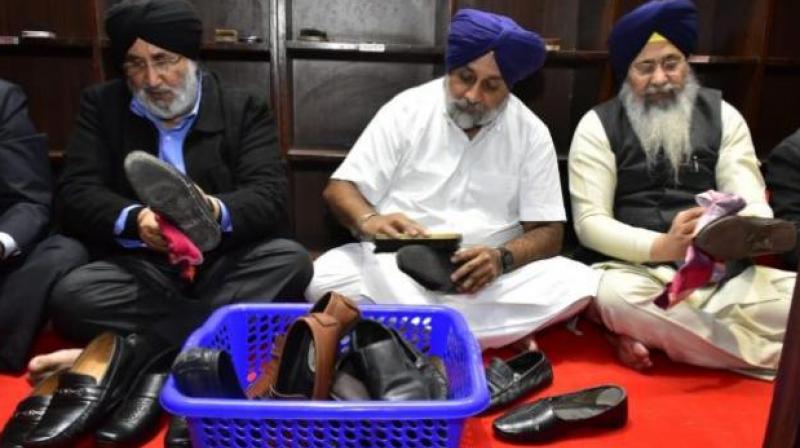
x,y
468,115
184,96
663,128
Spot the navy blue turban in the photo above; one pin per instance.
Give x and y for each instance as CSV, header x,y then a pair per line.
x,y
474,33
173,25
676,20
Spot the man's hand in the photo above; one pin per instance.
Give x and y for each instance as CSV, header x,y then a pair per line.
x,y
393,224
150,231
479,266
671,246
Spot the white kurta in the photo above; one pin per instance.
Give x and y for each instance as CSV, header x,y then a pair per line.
x,y
412,158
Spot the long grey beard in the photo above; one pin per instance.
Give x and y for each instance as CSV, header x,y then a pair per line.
x,y
663,128
185,96
467,115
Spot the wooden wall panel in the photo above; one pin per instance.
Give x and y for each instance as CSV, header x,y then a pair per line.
x,y
780,116
334,100
67,18
386,21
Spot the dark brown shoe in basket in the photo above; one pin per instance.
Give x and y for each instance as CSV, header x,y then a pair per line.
x,y
303,359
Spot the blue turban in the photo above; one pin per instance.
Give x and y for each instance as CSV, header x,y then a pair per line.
x,y
474,33
676,20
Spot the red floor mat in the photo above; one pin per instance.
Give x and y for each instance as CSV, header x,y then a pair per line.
x,y
672,405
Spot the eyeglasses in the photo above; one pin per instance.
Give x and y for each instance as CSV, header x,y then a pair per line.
x,y
160,64
669,64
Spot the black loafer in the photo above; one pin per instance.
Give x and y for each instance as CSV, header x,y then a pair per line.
x,y
169,192
545,419
732,238
177,435
28,413
91,387
512,379
206,372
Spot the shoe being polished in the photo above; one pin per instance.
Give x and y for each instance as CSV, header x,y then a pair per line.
x,y
545,419
170,193
732,238
514,378
28,413
93,385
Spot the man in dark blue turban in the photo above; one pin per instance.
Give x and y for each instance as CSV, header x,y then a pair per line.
x,y
636,164
461,154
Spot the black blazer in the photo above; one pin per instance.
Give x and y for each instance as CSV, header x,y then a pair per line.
x,y
231,151
783,182
25,185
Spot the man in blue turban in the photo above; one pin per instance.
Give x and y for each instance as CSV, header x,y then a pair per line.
x,y
635,166
461,154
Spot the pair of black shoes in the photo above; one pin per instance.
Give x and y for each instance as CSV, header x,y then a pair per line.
x,y
70,403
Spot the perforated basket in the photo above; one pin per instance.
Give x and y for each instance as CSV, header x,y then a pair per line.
x,y
247,332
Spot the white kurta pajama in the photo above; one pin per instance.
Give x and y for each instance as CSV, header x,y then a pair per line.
x,y
413,159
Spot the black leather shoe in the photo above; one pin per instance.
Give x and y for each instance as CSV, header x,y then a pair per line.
x,y
429,267
93,385
28,413
169,192
732,238
136,418
545,419
177,435
512,379
391,368
206,372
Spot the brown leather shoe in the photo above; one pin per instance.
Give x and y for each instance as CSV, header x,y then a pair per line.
x,y
340,307
733,238
302,361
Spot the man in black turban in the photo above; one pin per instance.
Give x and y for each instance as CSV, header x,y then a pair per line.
x,y
635,166
223,140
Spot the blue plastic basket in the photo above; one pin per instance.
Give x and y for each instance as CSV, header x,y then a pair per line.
x,y
247,332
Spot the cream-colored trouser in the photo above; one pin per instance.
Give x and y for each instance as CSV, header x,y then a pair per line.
x,y
739,325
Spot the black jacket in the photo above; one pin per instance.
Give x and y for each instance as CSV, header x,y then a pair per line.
x,y
25,186
783,181
231,152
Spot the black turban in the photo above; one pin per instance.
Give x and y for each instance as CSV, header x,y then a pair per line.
x,y
173,25
676,20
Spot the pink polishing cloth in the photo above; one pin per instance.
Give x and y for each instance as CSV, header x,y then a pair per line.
x,y
182,250
699,268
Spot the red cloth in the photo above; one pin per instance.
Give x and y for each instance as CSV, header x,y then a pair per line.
x,y
182,250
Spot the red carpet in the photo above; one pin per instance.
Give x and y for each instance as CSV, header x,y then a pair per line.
x,y
673,405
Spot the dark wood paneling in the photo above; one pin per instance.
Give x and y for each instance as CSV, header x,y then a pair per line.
x,y
53,85
253,75
780,116
334,101
785,37
733,80
314,224
67,18
388,21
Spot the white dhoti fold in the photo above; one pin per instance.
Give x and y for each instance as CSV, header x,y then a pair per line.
x,y
513,306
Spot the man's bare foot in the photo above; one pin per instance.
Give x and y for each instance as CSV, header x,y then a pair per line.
x,y
43,365
527,344
630,352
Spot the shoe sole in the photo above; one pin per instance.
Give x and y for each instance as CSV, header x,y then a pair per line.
x,y
168,192
735,237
